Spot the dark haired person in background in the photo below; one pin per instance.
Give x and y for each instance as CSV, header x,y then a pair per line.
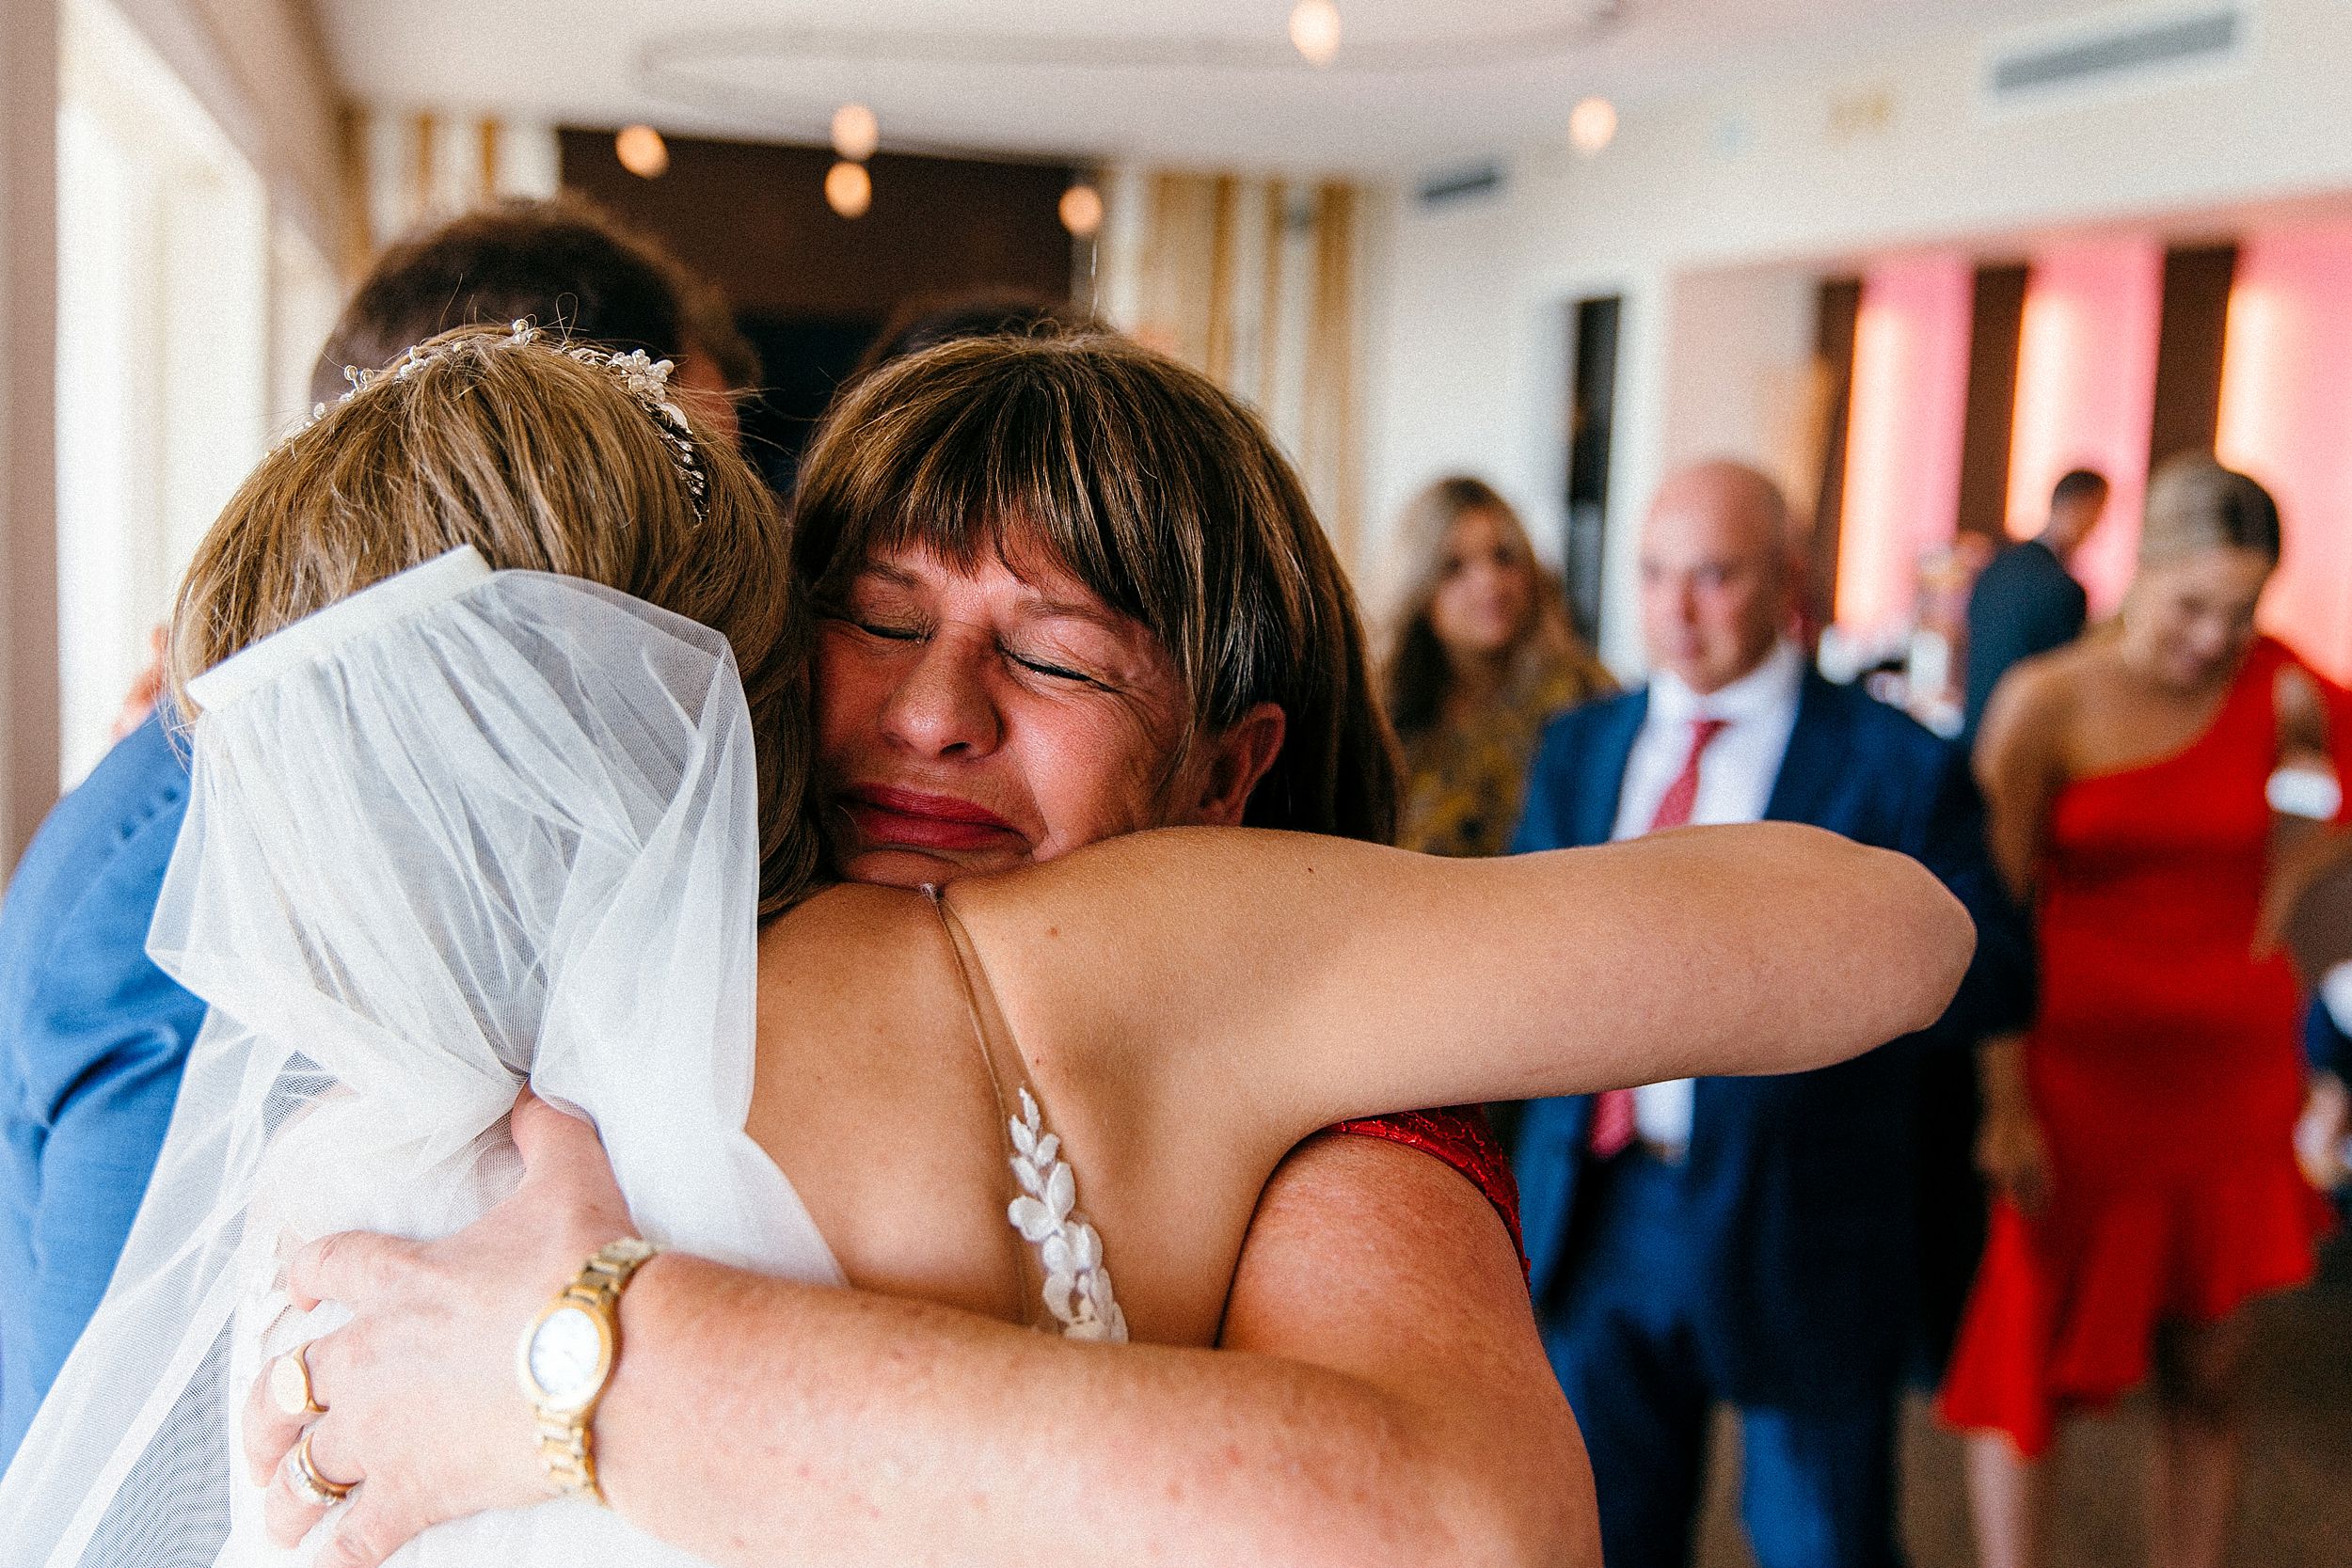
x,y
92,1035
2026,602
565,263
1484,655
928,320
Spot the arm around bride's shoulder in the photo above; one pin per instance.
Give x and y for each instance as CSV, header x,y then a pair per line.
x,y
1347,980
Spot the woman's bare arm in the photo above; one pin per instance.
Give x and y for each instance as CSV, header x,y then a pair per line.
x,y
2019,768
1385,1399
1336,978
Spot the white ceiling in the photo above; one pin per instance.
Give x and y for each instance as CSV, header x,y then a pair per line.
x,y
1417,82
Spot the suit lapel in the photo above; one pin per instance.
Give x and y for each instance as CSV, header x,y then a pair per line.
x,y
1604,776
1815,757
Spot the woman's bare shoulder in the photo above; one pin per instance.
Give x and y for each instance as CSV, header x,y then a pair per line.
x,y
2048,682
2037,698
844,907
843,939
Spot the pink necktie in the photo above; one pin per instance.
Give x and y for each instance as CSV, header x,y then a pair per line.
x,y
1613,1109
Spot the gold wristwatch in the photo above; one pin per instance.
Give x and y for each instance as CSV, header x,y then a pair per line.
x,y
565,1359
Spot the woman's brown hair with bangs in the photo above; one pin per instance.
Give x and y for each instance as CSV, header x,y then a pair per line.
x,y
541,462
1154,488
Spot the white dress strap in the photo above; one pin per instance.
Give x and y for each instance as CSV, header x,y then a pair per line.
x,y
1077,1290
1076,1283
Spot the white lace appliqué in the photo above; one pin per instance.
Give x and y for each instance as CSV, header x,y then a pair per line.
x,y
1077,1286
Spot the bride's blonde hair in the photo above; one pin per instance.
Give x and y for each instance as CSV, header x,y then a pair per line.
x,y
542,462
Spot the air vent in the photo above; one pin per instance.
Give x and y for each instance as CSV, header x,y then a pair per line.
x,y
1455,186
2055,65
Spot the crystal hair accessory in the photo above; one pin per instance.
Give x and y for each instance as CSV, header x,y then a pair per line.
x,y
644,378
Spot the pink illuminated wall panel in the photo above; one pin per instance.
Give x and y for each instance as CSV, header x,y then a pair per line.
x,y
2286,418
2086,394
1902,453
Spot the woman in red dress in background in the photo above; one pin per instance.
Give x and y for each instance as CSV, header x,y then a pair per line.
x,y
2140,1140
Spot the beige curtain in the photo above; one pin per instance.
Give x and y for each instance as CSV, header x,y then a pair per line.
x,y
410,167
1256,281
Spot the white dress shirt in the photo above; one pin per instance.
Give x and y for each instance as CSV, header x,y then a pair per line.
x,y
1736,777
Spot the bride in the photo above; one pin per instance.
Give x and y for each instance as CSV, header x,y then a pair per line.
x,y
478,802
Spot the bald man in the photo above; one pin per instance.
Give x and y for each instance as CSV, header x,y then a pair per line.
x,y
1744,1241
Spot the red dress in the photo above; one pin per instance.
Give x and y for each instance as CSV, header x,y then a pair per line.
x,y
2165,1070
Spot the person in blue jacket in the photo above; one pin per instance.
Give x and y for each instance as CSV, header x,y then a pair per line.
x,y
92,1035
2323,1135
1745,1240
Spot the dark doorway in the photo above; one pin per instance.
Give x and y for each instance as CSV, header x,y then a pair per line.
x,y
1592,411
1996,327
2189,341
1837,319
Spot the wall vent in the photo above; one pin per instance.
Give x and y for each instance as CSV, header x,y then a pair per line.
x,y
1454,187
2119,51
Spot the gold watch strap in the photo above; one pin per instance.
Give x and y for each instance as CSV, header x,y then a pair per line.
x,y
567,1443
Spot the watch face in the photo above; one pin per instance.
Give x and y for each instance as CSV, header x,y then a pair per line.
x,y
566,1356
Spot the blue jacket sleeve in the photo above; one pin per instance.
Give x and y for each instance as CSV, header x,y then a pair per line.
x,y
2329,1048
1543,809
96,1038
1948,837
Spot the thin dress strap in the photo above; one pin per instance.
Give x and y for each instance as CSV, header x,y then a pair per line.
x,y
1076,1283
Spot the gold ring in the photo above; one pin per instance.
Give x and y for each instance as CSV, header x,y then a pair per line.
x,y
290,1383
302,1475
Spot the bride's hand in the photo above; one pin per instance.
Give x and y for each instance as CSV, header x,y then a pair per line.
x,y
423,1414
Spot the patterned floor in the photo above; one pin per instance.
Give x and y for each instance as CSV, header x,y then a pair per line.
x,y
2295,1511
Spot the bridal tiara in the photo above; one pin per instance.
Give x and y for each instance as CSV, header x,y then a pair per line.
x,y
641,375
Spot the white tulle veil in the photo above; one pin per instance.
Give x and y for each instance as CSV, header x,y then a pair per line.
x,y
461,829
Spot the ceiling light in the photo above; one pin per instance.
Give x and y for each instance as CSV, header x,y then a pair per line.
x,y
642,151
848,189
1592,125
1315,30
855,132
1082,210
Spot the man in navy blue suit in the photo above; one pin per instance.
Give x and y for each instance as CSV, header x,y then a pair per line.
x,y
1744,1241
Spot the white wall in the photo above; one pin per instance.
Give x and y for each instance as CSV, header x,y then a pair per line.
x,y
259,69
1791,173
1738,354
163,367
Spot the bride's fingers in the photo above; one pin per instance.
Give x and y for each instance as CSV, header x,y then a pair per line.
x,y
287,1514
547,1138
287,1517
269,1431
562,1155
351,1267
369,1531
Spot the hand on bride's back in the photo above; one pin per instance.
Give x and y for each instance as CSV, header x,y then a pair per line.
x,y
421,1409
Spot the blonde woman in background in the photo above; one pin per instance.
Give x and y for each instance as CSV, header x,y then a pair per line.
x,y
1484,655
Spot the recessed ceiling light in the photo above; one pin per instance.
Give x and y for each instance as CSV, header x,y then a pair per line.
x,y
1592,125
855,132
1082,210
642,151
848,189
1315,30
